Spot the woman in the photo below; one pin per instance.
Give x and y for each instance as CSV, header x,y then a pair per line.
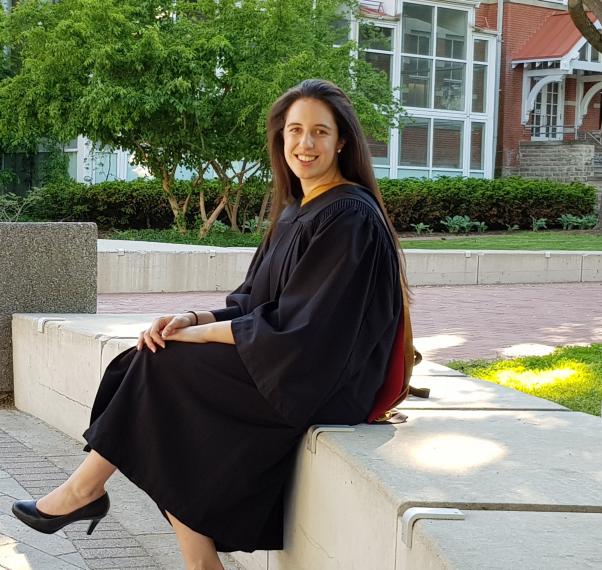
x,y
205,414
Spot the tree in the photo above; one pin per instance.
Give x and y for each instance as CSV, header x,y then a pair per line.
x,y
578,11
190,86
271,46
126,74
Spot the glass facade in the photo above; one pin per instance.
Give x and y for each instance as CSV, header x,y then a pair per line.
x,y
443,70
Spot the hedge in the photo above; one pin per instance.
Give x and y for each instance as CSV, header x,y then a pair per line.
x,y
499,203
138,204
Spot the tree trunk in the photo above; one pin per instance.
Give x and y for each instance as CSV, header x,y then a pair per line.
x,y
178,211
264,204
206,226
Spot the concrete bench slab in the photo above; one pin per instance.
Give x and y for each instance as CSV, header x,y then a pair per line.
x,y
465,393
348,498
526,460
59,361
502,540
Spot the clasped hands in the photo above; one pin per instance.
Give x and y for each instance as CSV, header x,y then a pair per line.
x,y
178,327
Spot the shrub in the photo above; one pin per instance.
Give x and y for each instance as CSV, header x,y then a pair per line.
x,y
501,203
538,224
132,205
457,224
422,228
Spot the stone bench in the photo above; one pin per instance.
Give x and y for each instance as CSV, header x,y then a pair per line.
x,y
145,267
524,474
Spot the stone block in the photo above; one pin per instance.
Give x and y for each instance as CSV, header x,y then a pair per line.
x,y
439,267
592,267
529,267
144,267
44,267
59,361
554,541
359,484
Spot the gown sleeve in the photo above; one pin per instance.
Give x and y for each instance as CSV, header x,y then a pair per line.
x,y
297,348
237,302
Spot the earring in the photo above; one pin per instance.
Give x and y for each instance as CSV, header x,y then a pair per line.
x,y
339,151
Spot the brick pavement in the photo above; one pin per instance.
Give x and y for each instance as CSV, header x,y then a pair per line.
x,y
34,458
453,322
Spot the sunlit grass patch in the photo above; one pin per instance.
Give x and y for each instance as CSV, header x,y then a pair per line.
x,y
570,376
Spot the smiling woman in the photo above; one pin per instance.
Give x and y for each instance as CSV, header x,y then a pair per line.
x,y
207,413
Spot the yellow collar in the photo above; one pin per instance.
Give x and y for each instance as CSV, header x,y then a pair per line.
x,y
321,189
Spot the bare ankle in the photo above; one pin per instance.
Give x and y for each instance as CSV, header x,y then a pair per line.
x,y
85,492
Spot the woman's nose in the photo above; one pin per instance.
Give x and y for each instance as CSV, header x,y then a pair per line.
x,y
306,141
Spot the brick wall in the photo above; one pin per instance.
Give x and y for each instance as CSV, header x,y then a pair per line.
x,y
521,22
562,161
486,16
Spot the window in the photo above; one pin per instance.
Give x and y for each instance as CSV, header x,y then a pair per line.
x,y
449,85
417,26
376,45
547,115
479,88
434,77
477,147
451,33
447,144
379,151
480,50
341,30
415,82
414,143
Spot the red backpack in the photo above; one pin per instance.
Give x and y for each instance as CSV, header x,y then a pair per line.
x,y
404,357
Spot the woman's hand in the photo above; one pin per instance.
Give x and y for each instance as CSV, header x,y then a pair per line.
x,y
152,336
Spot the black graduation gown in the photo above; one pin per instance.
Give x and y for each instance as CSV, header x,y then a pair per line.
x,y
210,431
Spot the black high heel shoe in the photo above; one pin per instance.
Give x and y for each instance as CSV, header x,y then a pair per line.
x,y
27,512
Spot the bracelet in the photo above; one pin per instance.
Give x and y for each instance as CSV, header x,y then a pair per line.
x,y
196,317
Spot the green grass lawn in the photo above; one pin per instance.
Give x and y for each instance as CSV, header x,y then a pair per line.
x,y
543,240
570,376
219,239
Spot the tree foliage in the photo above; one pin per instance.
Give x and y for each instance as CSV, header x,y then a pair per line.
x,y
176,83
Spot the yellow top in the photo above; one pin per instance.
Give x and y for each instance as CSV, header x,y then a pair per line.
x,y
321,189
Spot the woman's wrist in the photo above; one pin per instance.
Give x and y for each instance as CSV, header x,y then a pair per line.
x,y
199,317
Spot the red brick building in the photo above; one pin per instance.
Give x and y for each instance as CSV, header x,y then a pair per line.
x,y
493,87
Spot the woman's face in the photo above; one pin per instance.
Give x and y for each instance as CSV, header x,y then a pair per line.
x,y
311,142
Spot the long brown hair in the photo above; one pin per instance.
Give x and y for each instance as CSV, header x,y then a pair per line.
x,y
354,159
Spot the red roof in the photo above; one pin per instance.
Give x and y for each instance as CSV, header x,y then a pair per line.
x,y
553,40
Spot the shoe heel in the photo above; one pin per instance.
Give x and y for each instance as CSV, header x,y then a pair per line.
x,y
92,526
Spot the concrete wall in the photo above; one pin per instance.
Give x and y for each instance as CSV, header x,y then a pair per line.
x,y
142,267
49,267
563,161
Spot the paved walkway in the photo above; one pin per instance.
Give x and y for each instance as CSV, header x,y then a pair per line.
x,y
451,323
35,458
